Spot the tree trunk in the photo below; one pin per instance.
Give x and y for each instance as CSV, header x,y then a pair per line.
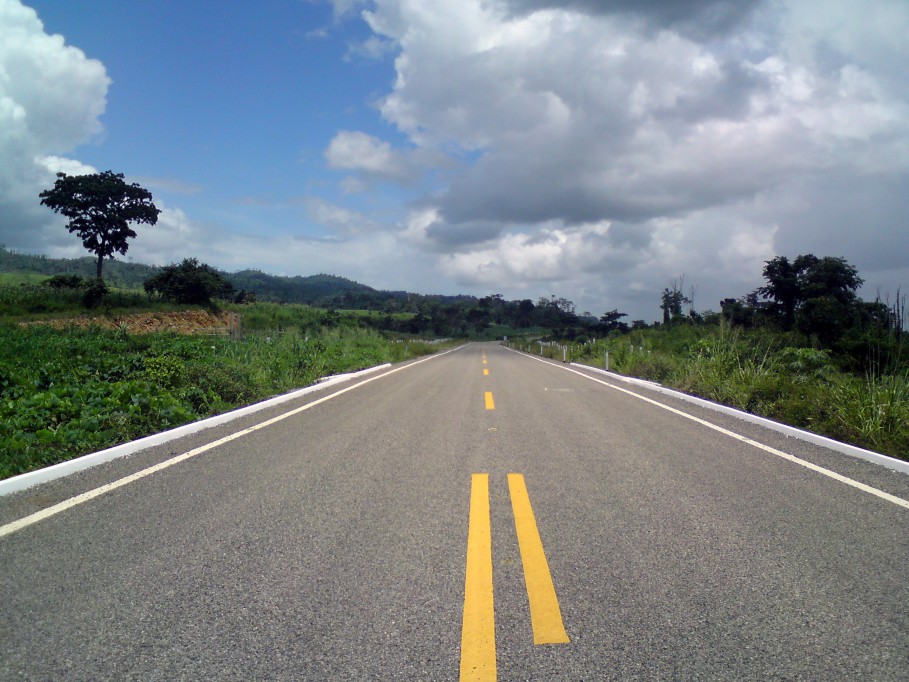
x,y
100,263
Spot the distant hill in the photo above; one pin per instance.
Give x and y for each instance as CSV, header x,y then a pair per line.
x,y
327,291
116,273
319,290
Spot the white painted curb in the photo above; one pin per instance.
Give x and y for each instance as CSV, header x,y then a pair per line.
x,y
851,450
31,478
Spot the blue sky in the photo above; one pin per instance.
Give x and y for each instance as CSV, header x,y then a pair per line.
x,y
598,150
227,108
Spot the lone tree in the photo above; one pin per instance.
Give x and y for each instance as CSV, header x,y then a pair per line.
x,y
100,208
613,320
671,303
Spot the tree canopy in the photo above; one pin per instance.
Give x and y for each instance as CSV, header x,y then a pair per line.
x,y
189,282
100,208
814,295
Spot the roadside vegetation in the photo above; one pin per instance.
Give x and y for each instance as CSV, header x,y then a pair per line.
x,y
804,349
67,392
767,374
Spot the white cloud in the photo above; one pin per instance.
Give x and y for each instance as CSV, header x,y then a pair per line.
x,y
550,255
591,149
338,219
711,148
369,156
155,243
170,185
371,48
344,8
51,97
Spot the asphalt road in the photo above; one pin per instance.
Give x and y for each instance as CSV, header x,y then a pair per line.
x,y
333,544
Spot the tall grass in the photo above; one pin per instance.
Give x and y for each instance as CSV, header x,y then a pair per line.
x,y
767,374
873,410
25,302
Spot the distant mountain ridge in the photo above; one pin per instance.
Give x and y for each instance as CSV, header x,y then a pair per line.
x,y
116,273
320,290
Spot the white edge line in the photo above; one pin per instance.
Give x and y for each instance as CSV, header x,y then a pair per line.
x,y
53,510
900,502
853,451
32,478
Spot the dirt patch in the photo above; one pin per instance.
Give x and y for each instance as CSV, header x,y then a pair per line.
x,y
182,322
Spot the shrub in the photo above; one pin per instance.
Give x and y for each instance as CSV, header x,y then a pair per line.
x,y
94,292
775,375
64,282
189,282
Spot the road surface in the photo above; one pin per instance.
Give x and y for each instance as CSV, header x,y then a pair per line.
x,y
477,515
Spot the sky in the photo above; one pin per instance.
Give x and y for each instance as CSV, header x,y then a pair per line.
x,y
595,150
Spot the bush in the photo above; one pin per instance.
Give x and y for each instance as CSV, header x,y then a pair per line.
x,y
94,293
64,282
189,282
653,367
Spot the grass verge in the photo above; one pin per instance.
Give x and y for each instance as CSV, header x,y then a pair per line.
x,y
765,374
65,393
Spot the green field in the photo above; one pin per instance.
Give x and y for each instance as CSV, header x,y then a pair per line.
x,y
64,393
14,279
378,314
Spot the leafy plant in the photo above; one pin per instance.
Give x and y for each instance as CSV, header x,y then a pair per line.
x,y
189,282
94,293
63,282
67,392
769,373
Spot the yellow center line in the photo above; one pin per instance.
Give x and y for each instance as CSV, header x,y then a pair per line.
x,y
478,633
545,615
485,372
490,404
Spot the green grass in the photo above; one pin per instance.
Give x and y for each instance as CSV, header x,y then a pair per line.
x,y
28,302
401,317
765,373
15,279
67,393
279,317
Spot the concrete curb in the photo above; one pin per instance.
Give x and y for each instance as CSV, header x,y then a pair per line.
x,y
31,478
851,450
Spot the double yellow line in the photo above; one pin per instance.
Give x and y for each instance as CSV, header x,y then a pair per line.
x,y
478,648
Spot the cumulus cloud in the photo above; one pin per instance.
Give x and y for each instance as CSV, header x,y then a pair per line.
x,y
344,8
372,48
700,18
369,157
593,149
711,135
51,98
341,221
367,255
552,254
